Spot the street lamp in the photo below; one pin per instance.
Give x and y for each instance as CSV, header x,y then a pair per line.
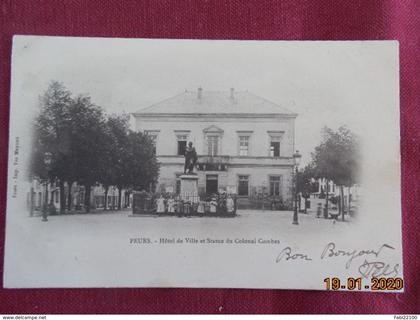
x,y
296,157
31,198
264,188
47,162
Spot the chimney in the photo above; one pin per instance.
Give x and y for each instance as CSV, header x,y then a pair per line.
x,y
232,91
199,93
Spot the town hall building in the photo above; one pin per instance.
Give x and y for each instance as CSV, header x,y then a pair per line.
x,y
245,143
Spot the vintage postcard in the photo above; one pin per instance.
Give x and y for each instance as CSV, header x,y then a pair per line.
x,y
196,163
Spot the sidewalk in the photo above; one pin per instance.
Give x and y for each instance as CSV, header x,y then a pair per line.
x,y
38,213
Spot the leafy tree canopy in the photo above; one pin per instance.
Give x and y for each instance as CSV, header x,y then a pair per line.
x,y
337,157
87,146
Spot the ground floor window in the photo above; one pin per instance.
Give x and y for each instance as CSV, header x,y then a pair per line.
x,y
100,201
212,184
112,201
126,200
39,199
275,185
81,196
243,185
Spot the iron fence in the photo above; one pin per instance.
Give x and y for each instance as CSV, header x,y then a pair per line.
x,y
184,204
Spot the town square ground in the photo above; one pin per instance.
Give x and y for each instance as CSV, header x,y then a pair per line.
x,y
68,250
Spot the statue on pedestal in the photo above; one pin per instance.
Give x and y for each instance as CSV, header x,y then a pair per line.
x,y
190,158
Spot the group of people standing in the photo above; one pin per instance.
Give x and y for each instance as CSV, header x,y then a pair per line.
x,y
218,204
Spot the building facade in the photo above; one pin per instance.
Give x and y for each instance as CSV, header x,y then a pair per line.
x,y
245,143
49,193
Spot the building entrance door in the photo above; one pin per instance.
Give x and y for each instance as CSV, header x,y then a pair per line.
x,y
211,183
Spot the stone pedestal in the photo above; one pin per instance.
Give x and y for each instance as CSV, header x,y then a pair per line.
x,y
189,188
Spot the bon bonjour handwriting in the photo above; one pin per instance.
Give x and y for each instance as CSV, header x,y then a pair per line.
x,y
287,254
330,251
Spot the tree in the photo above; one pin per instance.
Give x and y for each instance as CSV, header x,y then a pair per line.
x,y
306,183
337,159
114,171
140,163
87,147
88,143
51,135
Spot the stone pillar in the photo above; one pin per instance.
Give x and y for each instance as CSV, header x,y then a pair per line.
x,y
189,187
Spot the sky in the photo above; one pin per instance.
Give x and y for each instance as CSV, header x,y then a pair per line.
x,y
326,83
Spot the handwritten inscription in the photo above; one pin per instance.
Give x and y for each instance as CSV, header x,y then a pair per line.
x,y
287,254
366,269
330,251
378,269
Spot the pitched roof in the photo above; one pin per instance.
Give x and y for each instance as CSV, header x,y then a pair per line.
x,y
215,102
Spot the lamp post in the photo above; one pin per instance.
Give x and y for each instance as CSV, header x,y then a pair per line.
x,y
47,162
264,188
31,199
296,157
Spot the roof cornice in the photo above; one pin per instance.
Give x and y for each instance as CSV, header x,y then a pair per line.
x,y
214,115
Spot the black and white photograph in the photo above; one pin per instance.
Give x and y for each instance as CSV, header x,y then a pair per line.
x,y
203,163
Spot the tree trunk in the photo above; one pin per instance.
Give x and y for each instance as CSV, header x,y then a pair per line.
x,y
326,202
119,197
300,202
62,198
106,197
87,197
342,201
306,207
69,197
127,201
32,202
339,202
348,201
52,194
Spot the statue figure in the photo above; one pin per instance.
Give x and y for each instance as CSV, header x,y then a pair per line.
x,y
190,158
